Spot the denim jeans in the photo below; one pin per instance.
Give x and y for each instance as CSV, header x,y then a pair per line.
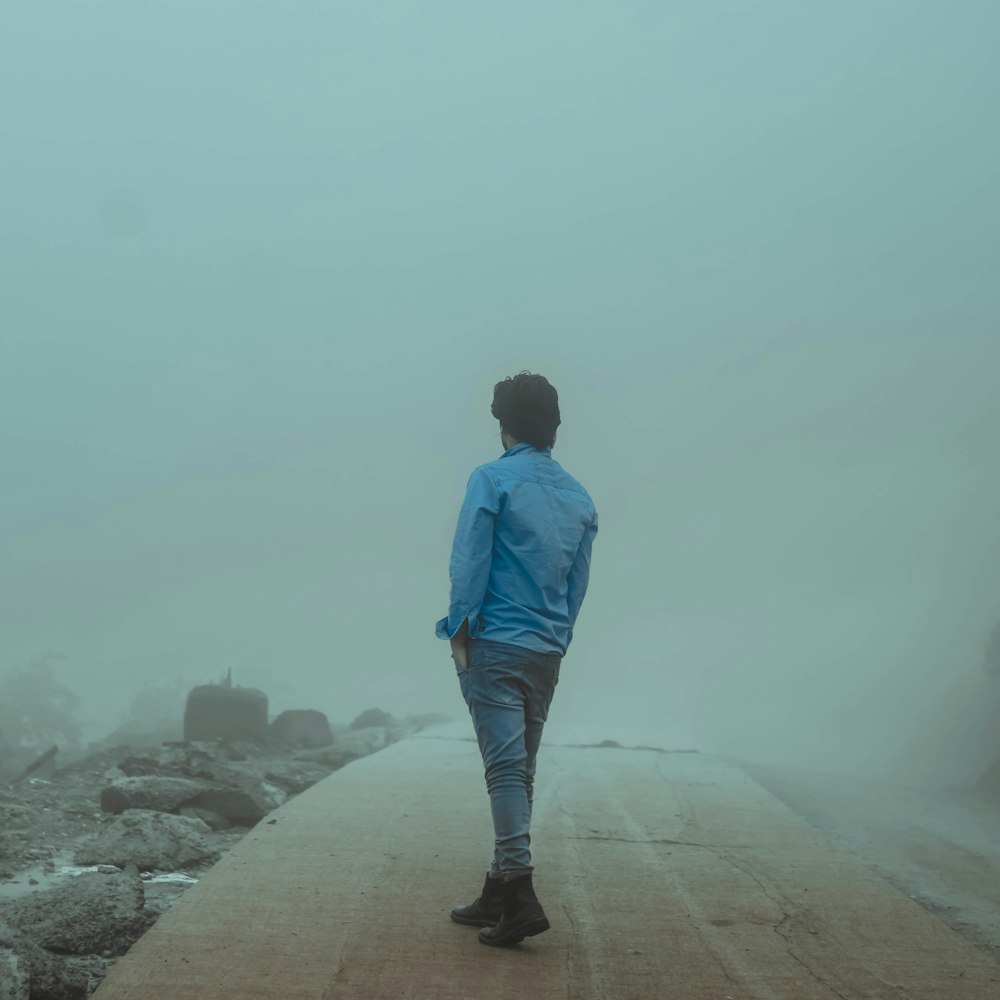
x,y
508,690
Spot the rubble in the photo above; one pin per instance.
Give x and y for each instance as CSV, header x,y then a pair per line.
x,y
162,813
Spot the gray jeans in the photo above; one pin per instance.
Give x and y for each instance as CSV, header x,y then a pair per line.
x,y
508,690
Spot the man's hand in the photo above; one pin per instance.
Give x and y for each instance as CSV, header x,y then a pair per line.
x,y
460,647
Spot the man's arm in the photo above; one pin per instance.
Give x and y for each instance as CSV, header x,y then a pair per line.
x,y
471,556
579,574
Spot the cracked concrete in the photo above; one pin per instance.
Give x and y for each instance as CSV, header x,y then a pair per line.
x,y
664,876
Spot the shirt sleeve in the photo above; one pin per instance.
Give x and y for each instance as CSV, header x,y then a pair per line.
x,y
471,553
579,574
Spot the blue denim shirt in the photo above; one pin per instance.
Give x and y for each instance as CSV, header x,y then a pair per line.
x,y
520,562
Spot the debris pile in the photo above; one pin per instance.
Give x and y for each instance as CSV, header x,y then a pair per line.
x,y
93,854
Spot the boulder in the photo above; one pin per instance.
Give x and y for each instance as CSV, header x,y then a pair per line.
x,y
243,805
50,976
65,977
85,915
239,790
372,717
219,712
149,840
302,727
154,792
237,795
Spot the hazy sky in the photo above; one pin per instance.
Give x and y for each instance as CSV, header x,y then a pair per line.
x,y
261,264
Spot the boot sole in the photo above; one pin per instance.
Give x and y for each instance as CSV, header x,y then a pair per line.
x,y
467,922
517,934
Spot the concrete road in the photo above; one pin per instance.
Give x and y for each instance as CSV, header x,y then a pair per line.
x,y
665,875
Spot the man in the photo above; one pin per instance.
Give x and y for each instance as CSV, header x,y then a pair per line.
x,y
519,570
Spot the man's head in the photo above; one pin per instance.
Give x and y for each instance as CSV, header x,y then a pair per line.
x,y
527,407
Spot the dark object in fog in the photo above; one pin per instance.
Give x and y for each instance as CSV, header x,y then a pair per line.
x,y
215,712
302,727
36,765
372,718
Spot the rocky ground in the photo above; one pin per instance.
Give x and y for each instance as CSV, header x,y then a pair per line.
x,y
92,853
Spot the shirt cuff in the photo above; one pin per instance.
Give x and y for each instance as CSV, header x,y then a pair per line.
x,y
445,630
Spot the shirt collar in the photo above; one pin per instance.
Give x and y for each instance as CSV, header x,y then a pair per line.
x,y
524,446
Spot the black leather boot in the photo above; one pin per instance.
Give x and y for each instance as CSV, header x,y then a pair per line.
x,y
486,910
522,916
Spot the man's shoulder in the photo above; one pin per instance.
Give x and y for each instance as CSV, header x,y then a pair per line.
x,y
532,466
575,486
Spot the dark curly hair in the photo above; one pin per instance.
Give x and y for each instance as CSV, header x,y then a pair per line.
x,y
527,407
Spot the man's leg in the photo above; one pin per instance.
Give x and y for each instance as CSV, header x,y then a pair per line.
x,y
508,691
495,722
493,689
540,684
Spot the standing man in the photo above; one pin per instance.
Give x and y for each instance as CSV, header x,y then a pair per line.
x,y
519,569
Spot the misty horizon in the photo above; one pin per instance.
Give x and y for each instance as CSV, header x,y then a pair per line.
x,y
260,269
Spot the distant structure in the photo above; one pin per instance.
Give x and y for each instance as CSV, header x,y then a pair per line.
x,y
224,712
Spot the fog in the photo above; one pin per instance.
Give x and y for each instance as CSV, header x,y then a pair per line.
x,y
261,264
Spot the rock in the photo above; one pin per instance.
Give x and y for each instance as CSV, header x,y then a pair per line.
x,y
236,794
347,747
215,711
67,978
238,790
138,765
60,977
149,840
372,718
232,780
85,915
14,979
149,792
295,776
213,819
302,727
243,806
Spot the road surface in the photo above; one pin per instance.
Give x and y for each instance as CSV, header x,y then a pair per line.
x,y
664,875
